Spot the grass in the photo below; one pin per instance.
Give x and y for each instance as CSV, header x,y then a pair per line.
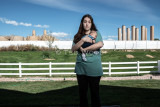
x,y
126,93
68,56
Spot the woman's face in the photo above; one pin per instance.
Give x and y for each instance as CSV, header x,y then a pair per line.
x,y
87,23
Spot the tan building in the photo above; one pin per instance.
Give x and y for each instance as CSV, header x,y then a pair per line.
x,y
12,38
123,32
135,33
151,32
119,34
16,38
46,37
34,37
145,33
3,38
44,32
128,33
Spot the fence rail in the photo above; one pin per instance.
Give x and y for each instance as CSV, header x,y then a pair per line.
x,y
137,68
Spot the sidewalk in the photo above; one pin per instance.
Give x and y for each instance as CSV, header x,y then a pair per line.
x,y
7,79
59,106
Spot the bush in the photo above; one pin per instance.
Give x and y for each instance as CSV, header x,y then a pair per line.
x,y
46,54
28,47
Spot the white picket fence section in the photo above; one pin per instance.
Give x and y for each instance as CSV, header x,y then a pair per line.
x,y
51,69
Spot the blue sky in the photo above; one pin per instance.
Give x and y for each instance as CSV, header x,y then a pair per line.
x,y
62,17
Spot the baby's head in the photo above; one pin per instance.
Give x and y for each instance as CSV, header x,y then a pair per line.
x,y
94,35
92,32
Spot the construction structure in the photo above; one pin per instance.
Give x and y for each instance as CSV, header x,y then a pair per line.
x,y
34,37
134,33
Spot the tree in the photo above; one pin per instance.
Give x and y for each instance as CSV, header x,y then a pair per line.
x,y
50,39
156,39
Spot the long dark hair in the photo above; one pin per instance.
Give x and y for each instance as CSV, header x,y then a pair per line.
x,y
81,31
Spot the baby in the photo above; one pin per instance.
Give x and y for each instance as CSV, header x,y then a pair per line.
x,y
93,36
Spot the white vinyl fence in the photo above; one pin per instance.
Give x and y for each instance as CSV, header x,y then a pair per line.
x,y
107,44
51,69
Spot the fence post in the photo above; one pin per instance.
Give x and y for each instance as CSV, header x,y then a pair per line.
x,y
20,70
158,66
137,67
109,68
50,69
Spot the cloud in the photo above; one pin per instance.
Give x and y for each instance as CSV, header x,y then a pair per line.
x,y
59,34
67,38
110,39
112,36
71,5
133,5
11,22
41,26
15,23
75,5
25,24
113,8
128,9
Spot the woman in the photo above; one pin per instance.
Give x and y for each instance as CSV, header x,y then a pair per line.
x,y
88,72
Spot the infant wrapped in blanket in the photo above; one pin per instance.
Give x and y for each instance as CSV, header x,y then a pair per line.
x,y
93,36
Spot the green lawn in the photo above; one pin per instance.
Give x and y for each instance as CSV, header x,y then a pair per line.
x,y
68,56
126,93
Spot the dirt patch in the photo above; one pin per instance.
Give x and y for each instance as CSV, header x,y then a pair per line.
x,y
153,50
150,56
130,51
104,52
129,56
48,59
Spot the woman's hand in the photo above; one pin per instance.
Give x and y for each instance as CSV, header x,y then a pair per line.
x,y
82,49
87,39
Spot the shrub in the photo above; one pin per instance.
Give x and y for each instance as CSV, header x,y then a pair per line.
x,y
28,47
46,54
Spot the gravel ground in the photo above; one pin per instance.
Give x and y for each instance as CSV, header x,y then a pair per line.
x,y
148,76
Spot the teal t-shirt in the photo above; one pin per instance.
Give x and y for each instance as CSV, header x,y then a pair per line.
x,y
91,67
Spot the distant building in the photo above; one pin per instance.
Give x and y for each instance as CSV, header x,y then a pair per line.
x,y
28,38
135,33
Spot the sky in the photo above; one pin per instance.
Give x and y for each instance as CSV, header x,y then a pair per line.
x,y
62,18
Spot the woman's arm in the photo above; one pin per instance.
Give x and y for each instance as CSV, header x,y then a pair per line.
x,y
95,46
80,43
77,45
